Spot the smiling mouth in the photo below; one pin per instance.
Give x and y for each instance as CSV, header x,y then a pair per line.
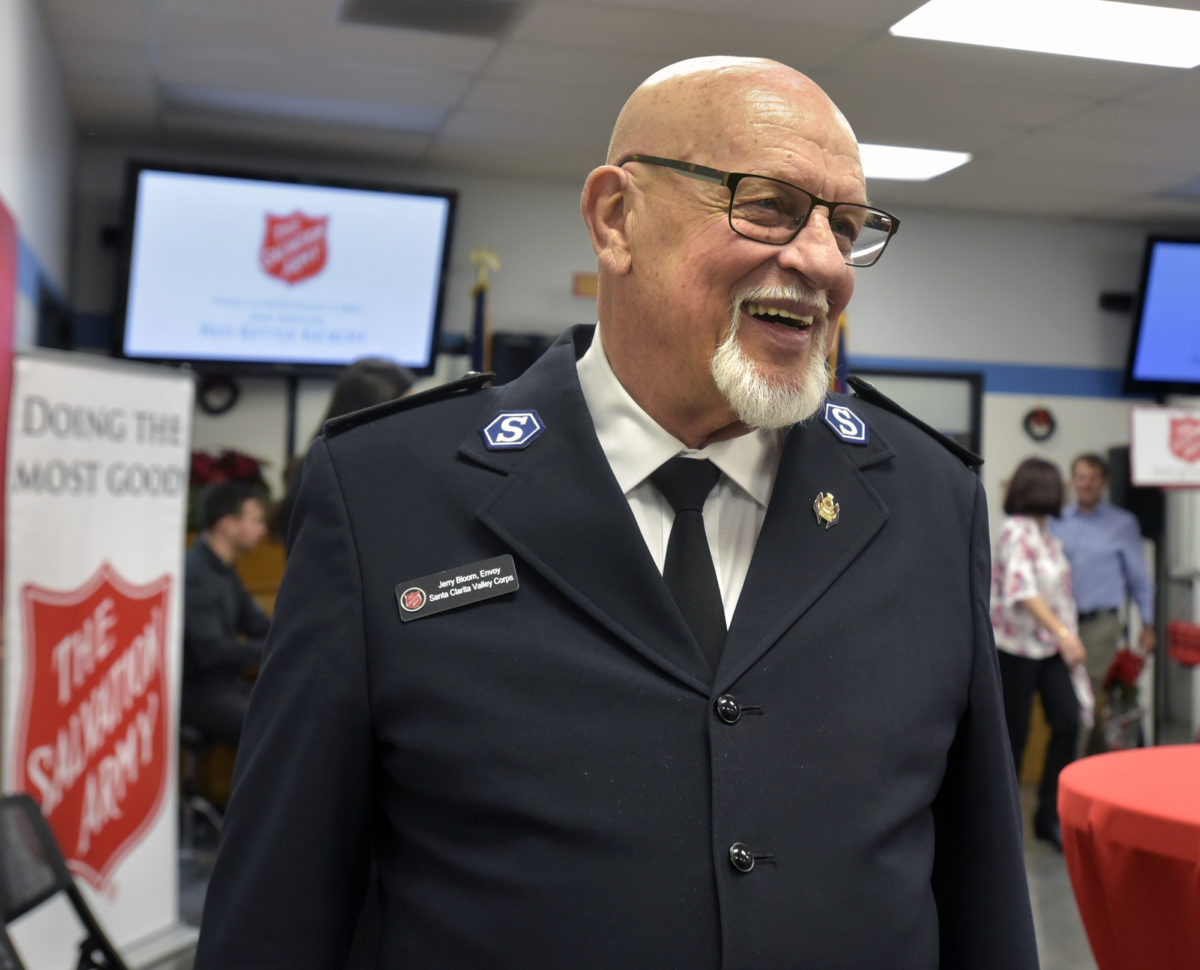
x,y
770,314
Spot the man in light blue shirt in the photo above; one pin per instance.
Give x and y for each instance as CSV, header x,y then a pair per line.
x,y
1104,546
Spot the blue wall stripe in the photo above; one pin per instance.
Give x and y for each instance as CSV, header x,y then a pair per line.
x,y
30,273
1013,378
28,270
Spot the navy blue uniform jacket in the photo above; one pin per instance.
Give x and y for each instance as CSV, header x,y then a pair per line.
x,y
545,778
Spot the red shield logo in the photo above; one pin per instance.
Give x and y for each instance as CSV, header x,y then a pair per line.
x,y
92,742
1185,438
294,247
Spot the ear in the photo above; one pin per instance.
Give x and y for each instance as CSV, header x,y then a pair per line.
x,y
604,210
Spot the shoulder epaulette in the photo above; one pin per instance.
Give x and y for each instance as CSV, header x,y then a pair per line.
x,y
871,394
467,384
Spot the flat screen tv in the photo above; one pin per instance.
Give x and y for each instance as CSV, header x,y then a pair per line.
x,y
231,272
1164,352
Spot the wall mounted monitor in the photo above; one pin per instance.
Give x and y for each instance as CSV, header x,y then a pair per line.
x,y
1164,352
230,272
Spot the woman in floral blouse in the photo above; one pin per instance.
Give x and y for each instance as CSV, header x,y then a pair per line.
x,y
1033,615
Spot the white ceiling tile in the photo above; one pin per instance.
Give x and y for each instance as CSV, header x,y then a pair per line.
x,y
99,101
1152,209
1180,90
1027,186
671,35
498,94
556,65
235,34
257,104
859,14
121,60
1139,121
114,21
281,77
925,105
959,119
1093,149
893,63
560,164
318,11
529,129
307,134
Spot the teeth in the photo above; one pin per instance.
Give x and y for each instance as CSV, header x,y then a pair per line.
x,y
758,310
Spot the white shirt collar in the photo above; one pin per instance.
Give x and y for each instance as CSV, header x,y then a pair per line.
x,y
635,444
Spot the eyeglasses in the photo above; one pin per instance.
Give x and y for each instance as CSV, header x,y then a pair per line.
x,y
772,211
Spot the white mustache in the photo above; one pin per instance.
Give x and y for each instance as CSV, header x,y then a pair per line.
x,y
791,294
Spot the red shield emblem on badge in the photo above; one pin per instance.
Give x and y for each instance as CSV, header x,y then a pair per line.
x,y
92,742
294,246
1185,438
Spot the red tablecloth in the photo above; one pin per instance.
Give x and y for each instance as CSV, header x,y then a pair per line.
x,y
1131,836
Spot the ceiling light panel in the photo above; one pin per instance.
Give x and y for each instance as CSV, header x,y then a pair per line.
x,y
908,164
1130,32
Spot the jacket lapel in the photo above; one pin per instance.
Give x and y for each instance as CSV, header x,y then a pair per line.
x,y
559,508
797,558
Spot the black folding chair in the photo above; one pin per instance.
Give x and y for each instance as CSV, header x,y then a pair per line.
x,y
33,871
192,805
8,954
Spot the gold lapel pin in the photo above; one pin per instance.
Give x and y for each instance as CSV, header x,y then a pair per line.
x,y
826,509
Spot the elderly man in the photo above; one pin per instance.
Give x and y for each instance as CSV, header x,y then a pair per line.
x,y
579,723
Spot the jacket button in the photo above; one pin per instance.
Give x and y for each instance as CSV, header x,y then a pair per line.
x,y
741,857
728,710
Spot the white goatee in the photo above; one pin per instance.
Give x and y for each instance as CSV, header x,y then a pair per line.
x,y
757,401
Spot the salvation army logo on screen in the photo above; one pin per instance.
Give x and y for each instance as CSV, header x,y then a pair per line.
x,y
294,246
92,737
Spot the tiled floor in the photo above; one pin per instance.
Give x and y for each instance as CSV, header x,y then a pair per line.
x,y
1062,943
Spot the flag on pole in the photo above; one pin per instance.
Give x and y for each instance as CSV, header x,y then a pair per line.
x,y
484,260
839,362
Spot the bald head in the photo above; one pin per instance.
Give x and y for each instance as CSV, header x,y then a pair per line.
x,y
712,331
692,106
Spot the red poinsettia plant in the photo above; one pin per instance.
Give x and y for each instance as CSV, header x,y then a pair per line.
x,y
1125,669
228,465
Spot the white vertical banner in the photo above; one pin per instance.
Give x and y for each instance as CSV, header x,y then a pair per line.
x,y
97,478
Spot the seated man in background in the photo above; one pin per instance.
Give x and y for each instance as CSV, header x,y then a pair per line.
x,y
223,628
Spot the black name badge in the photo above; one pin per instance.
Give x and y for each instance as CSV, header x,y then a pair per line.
x,y
460,586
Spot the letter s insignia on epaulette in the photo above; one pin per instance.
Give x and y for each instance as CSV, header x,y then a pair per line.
x,y
845,423
512,430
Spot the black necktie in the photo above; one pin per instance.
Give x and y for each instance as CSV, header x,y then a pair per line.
x,y
688,570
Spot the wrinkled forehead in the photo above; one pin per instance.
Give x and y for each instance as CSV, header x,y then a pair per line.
x,y
737,120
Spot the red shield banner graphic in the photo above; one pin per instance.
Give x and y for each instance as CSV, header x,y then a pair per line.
x,y
294,246
92,742
1185,438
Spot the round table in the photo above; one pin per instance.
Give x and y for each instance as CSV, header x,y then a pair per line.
x,y
1131,836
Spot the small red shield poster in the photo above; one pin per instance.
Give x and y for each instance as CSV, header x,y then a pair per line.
x,y
294,247
1164,446
92,743
1185,438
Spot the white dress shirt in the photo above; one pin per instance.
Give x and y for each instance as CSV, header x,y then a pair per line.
x,y
635,445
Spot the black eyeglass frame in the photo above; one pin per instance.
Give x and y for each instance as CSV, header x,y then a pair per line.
x,y
731,179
